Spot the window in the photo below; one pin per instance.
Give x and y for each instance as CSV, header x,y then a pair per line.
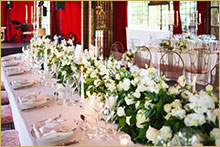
x,y
143,15
214,10
187,9
45,20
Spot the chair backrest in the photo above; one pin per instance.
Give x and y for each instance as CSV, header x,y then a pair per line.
x,y
133,43
117,46
199,61
116,49
142,57
171,65
214,73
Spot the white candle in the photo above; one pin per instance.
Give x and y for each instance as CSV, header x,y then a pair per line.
x,y
218,18
196,16
45,59
96,48
177,16
200,18
193,18
82,85
170,18
194,84
31,14
26,13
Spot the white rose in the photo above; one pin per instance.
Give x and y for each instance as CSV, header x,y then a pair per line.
x,y
179,113
148,105
141,87
164,85
137,94
194,119
129,101
209,88
165,133
120,111
140,118
128,120
97,82
117,76
215,133
152,134
93,75
126,84
167,108
173,90
212,114
152,71
182,81
137,104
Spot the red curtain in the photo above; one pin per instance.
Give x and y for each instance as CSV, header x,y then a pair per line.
x,y
3,12
176,7
54,20
202,7
71,19
17,13
121,22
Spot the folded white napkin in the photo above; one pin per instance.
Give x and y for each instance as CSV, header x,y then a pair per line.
x,y
10,63
22,83
33,99
14,71
51,130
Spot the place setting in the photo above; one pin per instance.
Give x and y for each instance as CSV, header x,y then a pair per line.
x,y
146,73
54,131
34,101
16,71
22,83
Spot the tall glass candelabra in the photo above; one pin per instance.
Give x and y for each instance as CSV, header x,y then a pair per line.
x,y
196,21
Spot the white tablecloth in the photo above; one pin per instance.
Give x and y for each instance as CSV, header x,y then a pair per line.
x,y
24,119
145,35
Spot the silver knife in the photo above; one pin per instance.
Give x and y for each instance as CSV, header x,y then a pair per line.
x,y
67,143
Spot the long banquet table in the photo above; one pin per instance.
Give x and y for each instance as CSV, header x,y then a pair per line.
x,y
24,119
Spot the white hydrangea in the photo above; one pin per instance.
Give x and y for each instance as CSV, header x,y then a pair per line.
x,y
194,119
201,103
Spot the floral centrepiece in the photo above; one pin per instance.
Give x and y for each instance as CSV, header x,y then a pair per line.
x,y
143,105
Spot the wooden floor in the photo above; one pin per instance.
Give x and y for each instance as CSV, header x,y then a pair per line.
x,y
8,48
